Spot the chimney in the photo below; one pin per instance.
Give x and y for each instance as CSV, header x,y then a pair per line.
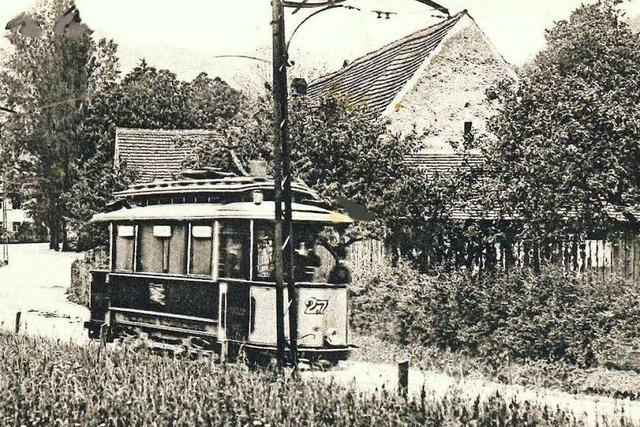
x,y
299,86
258,168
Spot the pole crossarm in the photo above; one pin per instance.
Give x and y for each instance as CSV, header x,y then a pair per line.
x,y
306,4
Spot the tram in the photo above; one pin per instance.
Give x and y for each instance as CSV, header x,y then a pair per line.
x,y
192,265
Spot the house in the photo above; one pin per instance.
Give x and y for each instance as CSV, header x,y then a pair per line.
x,y
12,217
435,79
156,154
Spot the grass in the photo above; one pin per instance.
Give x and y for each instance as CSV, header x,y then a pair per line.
x,y
44,382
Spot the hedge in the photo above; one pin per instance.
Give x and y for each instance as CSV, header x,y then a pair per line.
x,y
555,315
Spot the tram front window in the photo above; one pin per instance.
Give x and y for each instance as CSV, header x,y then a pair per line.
x,y
312,261
264,264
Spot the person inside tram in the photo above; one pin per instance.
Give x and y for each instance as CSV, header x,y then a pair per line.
x,y
307,263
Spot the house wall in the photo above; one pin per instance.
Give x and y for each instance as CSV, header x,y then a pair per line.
x,y
450,88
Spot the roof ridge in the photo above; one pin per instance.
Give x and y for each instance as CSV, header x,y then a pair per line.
x,y
146,130
390,46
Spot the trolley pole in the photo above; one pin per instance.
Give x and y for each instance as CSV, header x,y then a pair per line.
x,y
283,233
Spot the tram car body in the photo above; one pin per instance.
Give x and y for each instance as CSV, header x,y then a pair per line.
x,y
191,265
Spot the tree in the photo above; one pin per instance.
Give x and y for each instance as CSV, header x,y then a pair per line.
x,y
336,148
47,79
145,98
567,136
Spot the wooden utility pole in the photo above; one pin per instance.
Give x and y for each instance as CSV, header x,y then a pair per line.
x,y
283,233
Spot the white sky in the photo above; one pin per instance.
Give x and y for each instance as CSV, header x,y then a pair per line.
x,y
185,35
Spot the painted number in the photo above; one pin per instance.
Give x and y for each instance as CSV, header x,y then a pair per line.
x,y
316,306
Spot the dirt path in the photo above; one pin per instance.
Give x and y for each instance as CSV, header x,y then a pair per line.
x,y
373,377
34,283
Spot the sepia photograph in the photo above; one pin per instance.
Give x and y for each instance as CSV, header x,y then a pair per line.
x,y
319,213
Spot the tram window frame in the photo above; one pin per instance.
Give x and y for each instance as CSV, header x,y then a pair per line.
x,y
164,253
243,239
124,253
207,255
267,228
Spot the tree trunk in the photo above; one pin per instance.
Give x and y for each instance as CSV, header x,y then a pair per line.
x,y
54,231
65,238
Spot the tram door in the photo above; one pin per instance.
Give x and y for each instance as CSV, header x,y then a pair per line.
x,y
237,311
234,264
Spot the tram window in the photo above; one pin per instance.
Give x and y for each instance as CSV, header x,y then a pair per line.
x,y
264,263
201,249
124,247
162,248
234,250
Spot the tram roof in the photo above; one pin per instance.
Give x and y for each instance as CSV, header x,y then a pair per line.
x,y
221,185
237,210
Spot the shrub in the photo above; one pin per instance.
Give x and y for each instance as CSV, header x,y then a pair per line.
x,y
28,232
79,290
554,315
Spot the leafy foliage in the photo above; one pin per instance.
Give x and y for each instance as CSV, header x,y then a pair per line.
x,y
566,147
145,98
46,80
553,316
336,148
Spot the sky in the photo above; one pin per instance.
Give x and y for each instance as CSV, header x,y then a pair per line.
x,y
186,36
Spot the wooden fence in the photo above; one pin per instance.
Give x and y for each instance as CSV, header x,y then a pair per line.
x,y
366,254
618,254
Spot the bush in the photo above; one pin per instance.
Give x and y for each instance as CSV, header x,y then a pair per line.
x,y
45,383
80,288
29,232
555,315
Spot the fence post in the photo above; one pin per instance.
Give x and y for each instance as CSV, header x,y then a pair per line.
x,y
18,316
403,377
103,335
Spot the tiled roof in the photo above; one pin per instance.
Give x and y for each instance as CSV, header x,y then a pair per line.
x,y
438,163
376,78
155,153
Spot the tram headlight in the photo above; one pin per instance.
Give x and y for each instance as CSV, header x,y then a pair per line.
x,y
340,274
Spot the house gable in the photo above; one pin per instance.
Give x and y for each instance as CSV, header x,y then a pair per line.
x,y
450,88
376,78
434,80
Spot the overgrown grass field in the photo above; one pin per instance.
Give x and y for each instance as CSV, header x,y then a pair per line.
x,y
45,383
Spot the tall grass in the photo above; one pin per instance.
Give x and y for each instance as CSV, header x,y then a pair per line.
x,y
46,383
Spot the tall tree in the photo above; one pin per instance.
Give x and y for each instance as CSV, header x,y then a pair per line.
x,y
149,98
336,148
567,138
47,79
